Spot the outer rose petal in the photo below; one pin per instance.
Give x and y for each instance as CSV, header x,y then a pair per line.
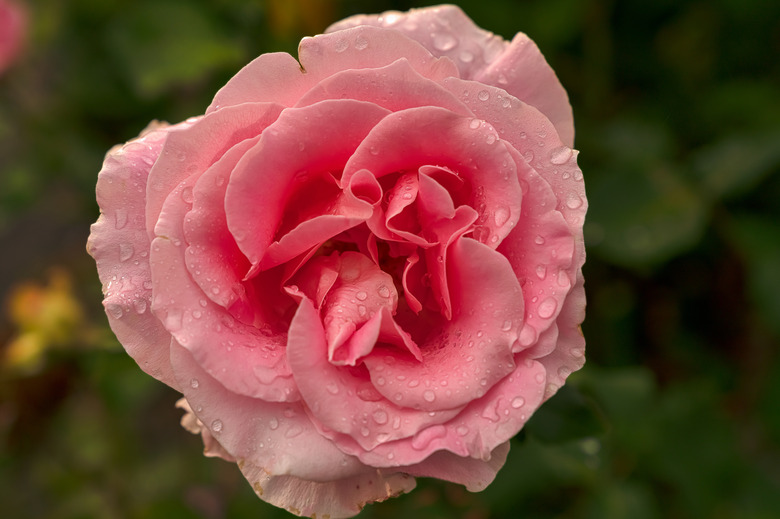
x,y
120,245
518,67
284,458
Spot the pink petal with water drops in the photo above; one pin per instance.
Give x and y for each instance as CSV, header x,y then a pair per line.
x,y
119,244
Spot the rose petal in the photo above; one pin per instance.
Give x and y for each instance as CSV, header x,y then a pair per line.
x,y
368,47
462,358
119,244
396,86
474,474
518,67
341,400
256,199
198,145
444,30
247,360
482,426
422,136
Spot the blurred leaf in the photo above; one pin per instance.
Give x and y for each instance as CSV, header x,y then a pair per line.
x,y
568,415
757,240
737,163
622,500
643,216
158,54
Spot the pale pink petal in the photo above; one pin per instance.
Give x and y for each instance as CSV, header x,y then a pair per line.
x,y
335,499
474,474
518,67
569,356
344,403
120,246
470,147
257,193
193,148
530,133
396,86
482,426
368,47
276,436
271,78
522,71
462,358
245,359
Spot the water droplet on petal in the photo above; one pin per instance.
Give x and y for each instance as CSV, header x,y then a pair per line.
x,y
539,240
483,95
120,219
140,306
547,308
341,46
462,430
194,384
332,388
380,416
466,56
429,395
383,291
126,251
444,41
216,426
115,311
475,123
518,402
361,43
527,335
501,216
506,326
560,155
186,195
573,201
273,423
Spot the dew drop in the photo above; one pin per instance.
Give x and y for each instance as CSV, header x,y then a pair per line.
x,y
539,240
506,326
332,388
429,395
475,123
362,310
273,423
341,46
120,218
444,41
126,251
383,291
216,426
573,201
547,308
362,296
560,155
518,402
380,416
466,56
539,378
293,431
361,43
115,311
491,138
462,430
186,195
483,95
194,384
140,306
527,335
501,216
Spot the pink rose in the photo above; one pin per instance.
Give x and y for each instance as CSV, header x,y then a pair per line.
x,y
358,269
13,26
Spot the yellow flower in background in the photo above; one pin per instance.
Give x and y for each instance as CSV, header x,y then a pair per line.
x,y
43,316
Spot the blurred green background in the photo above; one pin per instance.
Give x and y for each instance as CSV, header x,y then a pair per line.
x,y
677,412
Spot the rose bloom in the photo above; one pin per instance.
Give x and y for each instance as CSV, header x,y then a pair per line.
x,y
358,269
13,26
